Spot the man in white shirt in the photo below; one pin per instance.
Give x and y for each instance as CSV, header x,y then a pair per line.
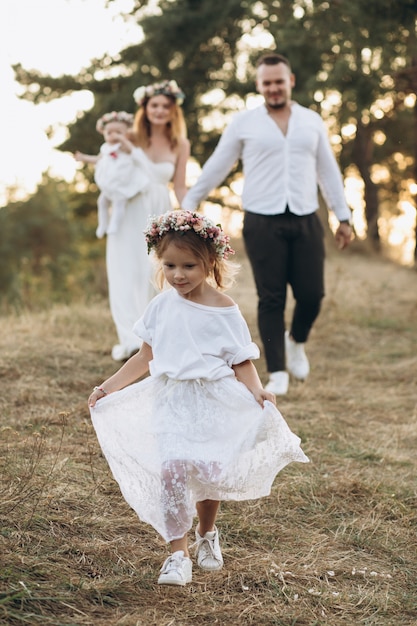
x,y
286,156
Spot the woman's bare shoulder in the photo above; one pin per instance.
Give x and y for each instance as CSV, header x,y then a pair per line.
x,y
184,145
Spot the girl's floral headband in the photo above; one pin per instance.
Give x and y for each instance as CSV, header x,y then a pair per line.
x,y
114,116
164,88
184,221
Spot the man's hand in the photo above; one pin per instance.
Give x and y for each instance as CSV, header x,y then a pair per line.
x,y
343,235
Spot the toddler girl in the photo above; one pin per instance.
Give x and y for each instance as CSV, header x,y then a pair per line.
x,y
120,171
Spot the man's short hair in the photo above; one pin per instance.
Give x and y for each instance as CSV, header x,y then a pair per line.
x,y
271,58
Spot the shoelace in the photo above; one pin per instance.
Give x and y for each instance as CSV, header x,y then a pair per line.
x,y
207,545
173,562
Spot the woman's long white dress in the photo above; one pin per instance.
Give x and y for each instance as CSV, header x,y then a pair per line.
x,y
129,269
191,431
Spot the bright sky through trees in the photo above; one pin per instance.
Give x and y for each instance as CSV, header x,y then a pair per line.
x,y
55,37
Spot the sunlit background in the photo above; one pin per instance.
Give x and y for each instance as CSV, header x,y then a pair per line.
x,y
31,33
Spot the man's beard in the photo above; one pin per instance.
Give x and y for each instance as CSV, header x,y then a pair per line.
x,y
278,105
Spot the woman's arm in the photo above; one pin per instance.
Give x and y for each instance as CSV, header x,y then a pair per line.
x,y
132,370
247,374
178,180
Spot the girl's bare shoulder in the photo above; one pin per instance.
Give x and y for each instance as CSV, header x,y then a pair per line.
x,y
210,296
221,299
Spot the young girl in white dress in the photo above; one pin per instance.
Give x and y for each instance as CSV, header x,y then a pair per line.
x,y
201,428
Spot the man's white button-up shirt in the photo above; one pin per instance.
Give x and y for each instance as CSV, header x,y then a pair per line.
x,y
278,169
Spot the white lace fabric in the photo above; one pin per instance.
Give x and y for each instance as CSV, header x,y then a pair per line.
x,y
171,444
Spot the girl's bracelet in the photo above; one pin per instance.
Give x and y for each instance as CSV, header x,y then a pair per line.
x,y
100,389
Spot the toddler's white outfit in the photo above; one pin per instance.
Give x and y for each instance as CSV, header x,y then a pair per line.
x,y
191,431
119,176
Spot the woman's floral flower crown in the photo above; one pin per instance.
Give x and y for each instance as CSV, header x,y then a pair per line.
x,y
165,88
184,221
114,116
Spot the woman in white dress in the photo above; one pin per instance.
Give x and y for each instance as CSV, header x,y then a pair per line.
x,y
160,143
201,428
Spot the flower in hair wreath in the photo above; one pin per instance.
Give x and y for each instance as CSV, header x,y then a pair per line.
x,y
183,221
164,87
114,116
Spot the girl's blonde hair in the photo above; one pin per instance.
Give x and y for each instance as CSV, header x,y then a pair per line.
x,y
220,272
175,129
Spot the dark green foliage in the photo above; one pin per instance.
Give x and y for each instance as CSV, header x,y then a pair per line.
x,y
328,46
47,251
188,41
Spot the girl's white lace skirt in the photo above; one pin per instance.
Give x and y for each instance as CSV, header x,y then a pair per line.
x,y
170,444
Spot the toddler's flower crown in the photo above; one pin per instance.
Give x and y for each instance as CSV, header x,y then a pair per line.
x,y
114,116
186,220
165,88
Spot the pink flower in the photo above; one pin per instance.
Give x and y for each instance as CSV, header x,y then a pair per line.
x,y
186,220
180,219
199,225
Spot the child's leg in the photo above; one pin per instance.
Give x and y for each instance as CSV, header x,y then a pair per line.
x,y
175,502
209,554
177,568
103,205
180,544
117,214
207,513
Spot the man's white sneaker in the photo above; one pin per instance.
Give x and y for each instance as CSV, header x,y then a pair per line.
x,y
297,362
177,570
278,383
209,555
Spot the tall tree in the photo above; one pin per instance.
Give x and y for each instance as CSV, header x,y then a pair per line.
x,y
351,49
38,247
406,84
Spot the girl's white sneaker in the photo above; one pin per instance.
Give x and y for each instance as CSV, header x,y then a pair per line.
x,y
209,555
176,570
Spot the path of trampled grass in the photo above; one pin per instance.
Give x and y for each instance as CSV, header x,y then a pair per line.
x,y
334,544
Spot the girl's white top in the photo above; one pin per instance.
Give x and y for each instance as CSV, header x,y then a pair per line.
x,y
191,341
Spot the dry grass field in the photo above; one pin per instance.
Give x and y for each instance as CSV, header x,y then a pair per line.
x,y
334,544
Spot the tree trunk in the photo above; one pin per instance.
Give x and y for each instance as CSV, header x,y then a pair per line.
x,y
362,157
407,82
415,174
